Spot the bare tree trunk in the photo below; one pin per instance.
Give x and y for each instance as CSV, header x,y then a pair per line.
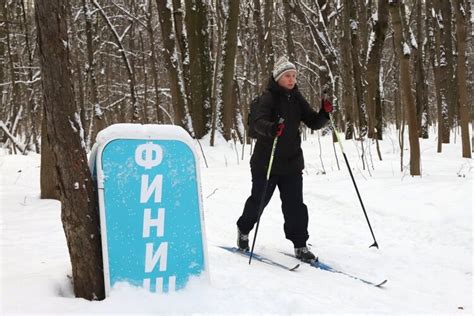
x,y
217,52
182,44
177,95
441,71
77,73
153,61
244,59
269,52
13,103
364,14
447,42
98,117
288,32
420,78
31,107
461,75
229,51
3,34
470,59
146,116
357,67
373,69
348,97
261,58
79,212
433,41
404,55
200,66
49,186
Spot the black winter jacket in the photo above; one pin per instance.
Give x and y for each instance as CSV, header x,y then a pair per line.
x,y
290,105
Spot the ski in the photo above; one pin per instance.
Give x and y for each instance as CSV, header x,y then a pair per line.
x,y
260,258
320,265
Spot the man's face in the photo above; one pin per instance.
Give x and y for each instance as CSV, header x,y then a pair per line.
x,y
288,80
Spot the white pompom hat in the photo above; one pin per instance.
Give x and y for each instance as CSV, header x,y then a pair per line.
x,y
281,67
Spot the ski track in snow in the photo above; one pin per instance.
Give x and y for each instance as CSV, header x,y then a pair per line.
x,y
423,227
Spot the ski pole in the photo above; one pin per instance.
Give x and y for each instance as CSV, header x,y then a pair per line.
x,y
353,181
264,193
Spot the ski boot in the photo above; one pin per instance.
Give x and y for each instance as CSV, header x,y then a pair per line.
x,y
242,241
305,255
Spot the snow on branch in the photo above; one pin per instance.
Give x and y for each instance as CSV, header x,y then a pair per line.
x,y
118,38
406,49
17,144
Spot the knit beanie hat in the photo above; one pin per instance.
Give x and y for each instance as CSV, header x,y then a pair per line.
x,y
282,66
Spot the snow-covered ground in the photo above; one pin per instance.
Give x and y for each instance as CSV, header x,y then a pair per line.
x,y
423,226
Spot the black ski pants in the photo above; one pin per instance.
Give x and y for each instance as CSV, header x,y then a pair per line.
x,y
295,212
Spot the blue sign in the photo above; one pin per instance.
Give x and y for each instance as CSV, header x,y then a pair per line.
x,y
150,204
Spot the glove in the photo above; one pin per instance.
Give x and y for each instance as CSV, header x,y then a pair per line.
x,y
277,129
327,106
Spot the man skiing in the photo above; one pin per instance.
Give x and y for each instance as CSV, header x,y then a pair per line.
x,y
281,102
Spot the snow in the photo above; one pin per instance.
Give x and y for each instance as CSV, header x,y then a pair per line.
x,y
413,42
406,49
97,110
354,25
140,131
375,17
371,44
423,226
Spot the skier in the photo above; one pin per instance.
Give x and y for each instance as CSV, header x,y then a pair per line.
x,y
281,100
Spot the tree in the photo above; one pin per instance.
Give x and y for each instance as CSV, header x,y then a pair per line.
x,y
200,66
461,75
422,112
153,61
288,32
373,71
99,122
261,50
229,52
446,13
357,62
443,71
348,96
79,205
404,55
171,63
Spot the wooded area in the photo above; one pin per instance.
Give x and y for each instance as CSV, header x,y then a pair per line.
x,y
199,63
71,68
